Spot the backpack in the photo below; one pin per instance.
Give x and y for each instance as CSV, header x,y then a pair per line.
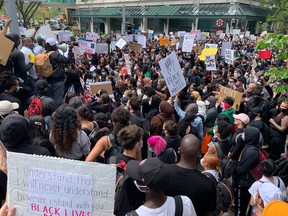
x,y
43,65
125,199
141,122
282,169
96,134
35,107
227,164
111,153
178,207
224,192
263,155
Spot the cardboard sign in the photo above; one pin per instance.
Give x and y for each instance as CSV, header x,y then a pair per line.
x,y
40,185
164,42
92,36
188,42
46,31
211,46
171,70
225,45
135,47
264,54
210,62
228,92
95,87
87,47
198,49
229,56
102,48
6,47
206,51
142,40
121,43
65,36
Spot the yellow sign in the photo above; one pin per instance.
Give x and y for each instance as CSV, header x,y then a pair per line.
x,y
208,51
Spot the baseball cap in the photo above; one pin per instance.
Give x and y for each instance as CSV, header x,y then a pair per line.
x,y
276,207
269,192
242,117
51,41
150,172
41,84
6,107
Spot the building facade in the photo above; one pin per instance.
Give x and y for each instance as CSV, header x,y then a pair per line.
x,y
165,16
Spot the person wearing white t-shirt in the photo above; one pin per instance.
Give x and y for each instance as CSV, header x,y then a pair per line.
x,y
151,177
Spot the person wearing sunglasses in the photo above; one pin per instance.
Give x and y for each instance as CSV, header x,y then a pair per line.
x,y
151,177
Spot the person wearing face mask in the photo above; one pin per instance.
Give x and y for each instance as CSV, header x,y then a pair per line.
x,y
238,75
154,102
278,131
217,80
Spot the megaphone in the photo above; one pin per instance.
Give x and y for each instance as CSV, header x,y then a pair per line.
x,y
63,47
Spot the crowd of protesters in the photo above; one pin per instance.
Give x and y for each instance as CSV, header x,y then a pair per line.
x,y
143,121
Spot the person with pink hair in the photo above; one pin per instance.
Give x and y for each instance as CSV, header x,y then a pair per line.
x,y
157,145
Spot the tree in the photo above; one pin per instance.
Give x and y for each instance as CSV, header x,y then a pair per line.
x,y
27,11
278,15
1,4
279,43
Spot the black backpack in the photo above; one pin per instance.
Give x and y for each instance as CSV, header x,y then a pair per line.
x,y
178,207
225,194
227,164
111,153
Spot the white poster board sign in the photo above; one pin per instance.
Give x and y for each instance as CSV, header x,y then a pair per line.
x,y
121,43
113,45
40,185
188,42
46,31
211,46
142,40
247,34
210,62
29,32
225,45
91,36
65,36
229,56
129,38
236,32
127,63
102,48
172,73
87,47
181,33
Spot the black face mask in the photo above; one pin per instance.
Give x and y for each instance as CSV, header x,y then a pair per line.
x,y
284,111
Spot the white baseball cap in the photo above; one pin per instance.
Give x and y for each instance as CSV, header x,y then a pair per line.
x,y
6,107
51,41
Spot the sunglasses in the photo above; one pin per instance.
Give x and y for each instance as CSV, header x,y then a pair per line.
x,y
141,188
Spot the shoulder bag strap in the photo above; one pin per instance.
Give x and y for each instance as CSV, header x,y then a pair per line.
x,y
278,184
132,213
178,205
219,150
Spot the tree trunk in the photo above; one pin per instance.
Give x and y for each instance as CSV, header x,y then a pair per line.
x,y
28,12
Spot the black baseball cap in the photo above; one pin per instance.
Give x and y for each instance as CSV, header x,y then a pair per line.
x,y
41,84
150,172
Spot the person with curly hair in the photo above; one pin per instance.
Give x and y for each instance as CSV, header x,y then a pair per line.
x,y
69,141
120,118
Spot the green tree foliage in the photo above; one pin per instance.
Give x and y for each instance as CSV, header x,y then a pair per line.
x,y
1,4
28,10
278,42
278,14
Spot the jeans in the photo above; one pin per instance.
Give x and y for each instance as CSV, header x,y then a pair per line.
x,y
56,91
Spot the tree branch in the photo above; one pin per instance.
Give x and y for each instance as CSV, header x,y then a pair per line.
x,y
34,11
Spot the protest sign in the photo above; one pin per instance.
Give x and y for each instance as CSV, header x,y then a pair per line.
x,y
225,45
228,92
127,63
211,46
210,62
65,36
121,43
22,30
173,42
96,86
188,42
164,42
91,36
247,34
181,33
6,47
229,56
198,49
253,37
46,31
101,48
264,54
236,32
29,32
206,51
40,185
219,32
113,45
129,38
77,54
87,47
142,40
171,70
150,34
135,47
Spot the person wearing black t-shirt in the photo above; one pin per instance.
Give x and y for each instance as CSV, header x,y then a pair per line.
x,y
186,180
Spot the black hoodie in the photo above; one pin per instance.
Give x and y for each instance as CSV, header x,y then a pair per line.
x,y
14,135
249,157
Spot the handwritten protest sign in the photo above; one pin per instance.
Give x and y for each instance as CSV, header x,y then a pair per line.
x,y
150,34
206,51
102,48
65,36
142,40
229,56
172,73
211,46
225,45
228,92
91,36
87,47
236,32
181,33
6,47
96,86
129,38
113,45
188,42
247,34
198,49
210,62
46,31
127,63
164,42
121,43
29,32
133,46
40,185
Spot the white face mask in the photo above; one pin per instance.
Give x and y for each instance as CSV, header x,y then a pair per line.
x,y
150,102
